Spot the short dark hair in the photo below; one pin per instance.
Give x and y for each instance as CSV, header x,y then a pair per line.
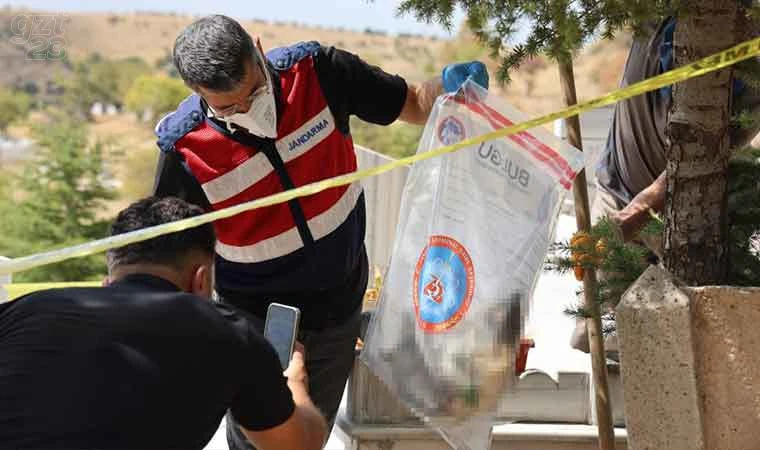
x,y
170,249
212,53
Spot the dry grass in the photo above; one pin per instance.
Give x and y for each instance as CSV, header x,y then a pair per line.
x,y
598,69
150,36
535,89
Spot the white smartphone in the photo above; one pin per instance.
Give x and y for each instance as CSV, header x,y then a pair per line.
x,y
281,329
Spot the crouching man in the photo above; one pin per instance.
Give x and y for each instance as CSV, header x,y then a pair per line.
x,y
146,362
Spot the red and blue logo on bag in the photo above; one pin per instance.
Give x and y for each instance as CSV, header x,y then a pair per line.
x,y
450,130
444,282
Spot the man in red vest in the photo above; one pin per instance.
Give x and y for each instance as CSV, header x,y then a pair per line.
x,y
256,126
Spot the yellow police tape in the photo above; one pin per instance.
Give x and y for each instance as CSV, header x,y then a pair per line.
x,y
714,62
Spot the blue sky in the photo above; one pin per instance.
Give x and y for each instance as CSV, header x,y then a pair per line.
x,y
351,14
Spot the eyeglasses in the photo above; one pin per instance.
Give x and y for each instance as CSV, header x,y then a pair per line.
x,y
256,92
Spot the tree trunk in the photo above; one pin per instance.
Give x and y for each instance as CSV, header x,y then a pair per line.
x,y
604,423
696,231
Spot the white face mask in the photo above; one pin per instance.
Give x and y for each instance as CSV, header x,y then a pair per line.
x,y
261,118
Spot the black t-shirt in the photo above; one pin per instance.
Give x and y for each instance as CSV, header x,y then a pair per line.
x,y
350,86
136,365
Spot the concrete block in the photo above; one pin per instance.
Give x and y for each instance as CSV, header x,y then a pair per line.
x,y
727,341
691,374
657,365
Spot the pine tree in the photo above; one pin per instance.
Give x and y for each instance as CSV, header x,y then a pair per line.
x,y
696,235
57,201
14,106
556,28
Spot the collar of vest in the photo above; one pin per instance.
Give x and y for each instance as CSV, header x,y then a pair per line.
x,y
283,58
176,124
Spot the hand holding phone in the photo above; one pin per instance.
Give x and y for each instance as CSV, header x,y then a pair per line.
x,y
296,371
281,329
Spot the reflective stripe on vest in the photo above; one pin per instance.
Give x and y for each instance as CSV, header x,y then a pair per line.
x,y
290,241
254,169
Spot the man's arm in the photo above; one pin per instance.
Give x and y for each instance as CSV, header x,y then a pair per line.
x,y
420,100
635,215
354,87
630,220
306,428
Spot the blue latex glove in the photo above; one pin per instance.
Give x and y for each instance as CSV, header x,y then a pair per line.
x,y
455,74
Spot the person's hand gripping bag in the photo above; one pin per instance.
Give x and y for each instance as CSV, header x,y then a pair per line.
x,y
474,230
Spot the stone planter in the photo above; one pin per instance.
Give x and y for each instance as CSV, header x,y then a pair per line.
x,y
690,365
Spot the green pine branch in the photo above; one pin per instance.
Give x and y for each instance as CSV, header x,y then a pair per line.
x,y
556,28
620,264
59,200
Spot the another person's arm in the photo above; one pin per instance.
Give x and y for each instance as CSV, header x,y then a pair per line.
x,y
306,429
630,220
635,215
